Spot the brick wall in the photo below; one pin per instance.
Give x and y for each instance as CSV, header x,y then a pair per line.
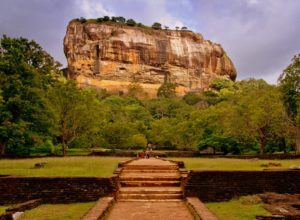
x,y
212,186
55,189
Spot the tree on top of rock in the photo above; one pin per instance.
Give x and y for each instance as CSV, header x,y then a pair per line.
x,y
106,18
121,19
131,22
156,25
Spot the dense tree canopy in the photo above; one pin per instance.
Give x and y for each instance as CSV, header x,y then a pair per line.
x,y
156,25
76,116
290,87
26,71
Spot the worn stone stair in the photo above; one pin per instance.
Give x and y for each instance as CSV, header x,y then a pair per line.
x,y
142,181
136,171
153,183
150,193
149,190
151,167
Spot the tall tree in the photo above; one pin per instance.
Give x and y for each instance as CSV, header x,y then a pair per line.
x,y
256,112
26,71
289,82
167,90
131,22
77,113
156,25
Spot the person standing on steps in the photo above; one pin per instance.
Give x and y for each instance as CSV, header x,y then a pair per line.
x,y
149,150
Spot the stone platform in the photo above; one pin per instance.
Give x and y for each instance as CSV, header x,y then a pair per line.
x,y
145,210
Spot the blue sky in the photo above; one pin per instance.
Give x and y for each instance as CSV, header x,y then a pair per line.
x,y
260,36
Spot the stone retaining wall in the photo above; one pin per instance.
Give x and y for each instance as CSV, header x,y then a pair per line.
x,y
211,186
55,189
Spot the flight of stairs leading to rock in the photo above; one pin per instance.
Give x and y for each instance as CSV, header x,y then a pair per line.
x,y
150,179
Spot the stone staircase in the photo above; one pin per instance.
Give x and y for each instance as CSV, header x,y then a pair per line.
x,y
150,180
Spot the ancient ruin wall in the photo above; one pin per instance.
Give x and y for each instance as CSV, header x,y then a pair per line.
x,y
55,189
212,186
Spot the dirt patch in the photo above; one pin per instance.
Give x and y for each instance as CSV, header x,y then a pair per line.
x,y
286,205
271,164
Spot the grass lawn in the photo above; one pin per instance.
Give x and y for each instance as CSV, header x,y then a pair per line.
x,y
2,209
232,164
58,211
58,166
104,166
236,210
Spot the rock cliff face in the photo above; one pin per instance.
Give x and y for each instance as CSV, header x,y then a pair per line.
x,y
113,56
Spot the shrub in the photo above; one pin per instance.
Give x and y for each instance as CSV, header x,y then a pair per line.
x,y
140,25
106,18
131,22
191,98
219,84
114,19
167,90
82,20
120,19
100,20
156,25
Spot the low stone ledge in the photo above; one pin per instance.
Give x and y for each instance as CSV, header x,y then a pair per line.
x,y
199,210
18,209
261,217
56,189
21,207
100,210
218,186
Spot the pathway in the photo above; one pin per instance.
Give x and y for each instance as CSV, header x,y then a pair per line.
x,y
150,189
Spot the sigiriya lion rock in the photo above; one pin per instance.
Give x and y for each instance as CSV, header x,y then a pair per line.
x,y
113,56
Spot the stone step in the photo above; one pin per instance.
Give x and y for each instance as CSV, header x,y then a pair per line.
x,y
150,196
151,167
151,183
149,200
149,171
146,174
150,190
149,178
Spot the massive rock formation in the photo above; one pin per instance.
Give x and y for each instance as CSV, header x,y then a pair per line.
x,y
113,56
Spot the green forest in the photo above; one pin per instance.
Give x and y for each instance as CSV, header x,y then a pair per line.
x,y
42,111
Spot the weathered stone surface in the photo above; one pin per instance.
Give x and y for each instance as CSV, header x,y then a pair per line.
x,y
55,189
113,56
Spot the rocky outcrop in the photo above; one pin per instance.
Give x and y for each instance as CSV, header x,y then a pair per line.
x,y
113,56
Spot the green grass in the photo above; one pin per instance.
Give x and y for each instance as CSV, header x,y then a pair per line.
x,y
236,210
2,209
71,152
232,164
104,166
58,211
59,166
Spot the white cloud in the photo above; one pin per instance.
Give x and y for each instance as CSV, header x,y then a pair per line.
x,y
159,11
170,21
252,2
259,36
93,8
